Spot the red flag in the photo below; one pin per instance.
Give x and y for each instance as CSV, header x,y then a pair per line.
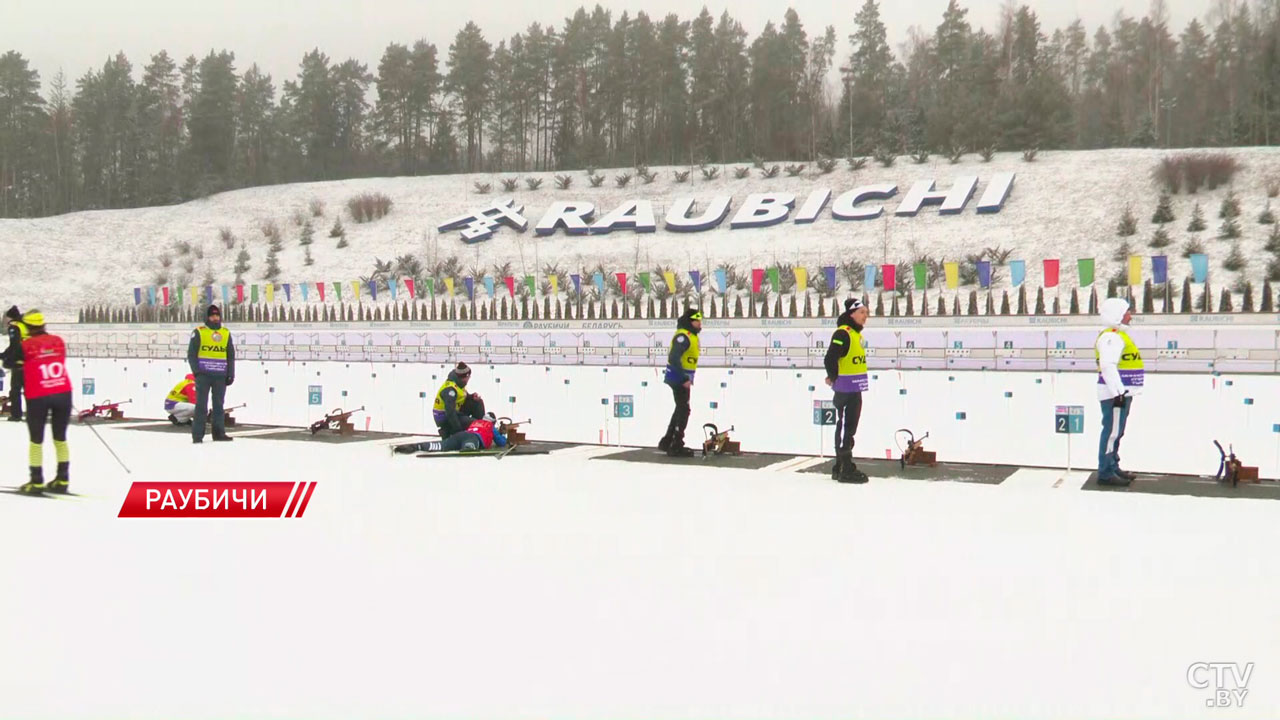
x,y
1050,273
510,282
757,278
320,287
165,290
239,293
889,276
408,285
622,282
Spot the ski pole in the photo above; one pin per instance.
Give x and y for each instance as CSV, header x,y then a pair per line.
x,y
108,447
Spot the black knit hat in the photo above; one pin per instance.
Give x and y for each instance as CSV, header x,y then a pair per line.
x,y
13,313
462,370
852,304
212,309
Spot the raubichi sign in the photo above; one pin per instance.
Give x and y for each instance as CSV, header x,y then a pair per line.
x,y
756,211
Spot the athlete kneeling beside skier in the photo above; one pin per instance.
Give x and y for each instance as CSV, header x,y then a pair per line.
x,y
479,435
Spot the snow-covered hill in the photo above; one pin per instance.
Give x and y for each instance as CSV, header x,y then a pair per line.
x,y
1063,205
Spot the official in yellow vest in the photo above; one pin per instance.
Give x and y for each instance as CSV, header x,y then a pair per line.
x,y
682,365
17,331
454,410
846,365
1120,378
212,358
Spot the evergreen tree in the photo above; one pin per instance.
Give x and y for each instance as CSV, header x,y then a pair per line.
x,y
1128,224
1160,238
468,80
1197,223
1164,210
1230,207
308,234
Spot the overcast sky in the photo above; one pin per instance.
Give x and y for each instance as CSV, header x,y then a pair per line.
x,y
76,35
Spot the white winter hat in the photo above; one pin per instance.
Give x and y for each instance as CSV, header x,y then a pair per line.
x,y
1113,310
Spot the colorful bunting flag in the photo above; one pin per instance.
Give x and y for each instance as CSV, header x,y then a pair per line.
x,y
1199,267
696,277
889,274
670,279
1017,271
409,286
240,293
1050,273
271,292
984,273
1160,269
829,272
320,290
288,292
952,271
1135,270
921,271
802,279
151,295
757,279
394,287
373,290
253,295
1084,269
448,286
775,282
869,278
165,292
470,282
510,282
137,296
488,286
337,291
644,281
304,291
531,283
577,283
721,280
355,290
622,282
598,279
554,279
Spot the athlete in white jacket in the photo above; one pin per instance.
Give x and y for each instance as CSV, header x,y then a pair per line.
x,y
1120,378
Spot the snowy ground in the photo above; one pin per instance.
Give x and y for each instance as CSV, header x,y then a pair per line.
x,y
1064,205
569,587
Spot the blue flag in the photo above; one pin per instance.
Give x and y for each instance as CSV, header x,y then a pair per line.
x,y
288,296
577,283
1159,269
696,277
1018,271
721,280
226,296
1199,267
137,296
393,286
304,292
488,285
830,273
869,278
208,293
598,279
151,295
470,282
984,273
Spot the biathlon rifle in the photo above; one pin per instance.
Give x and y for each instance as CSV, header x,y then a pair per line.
x,y
334,420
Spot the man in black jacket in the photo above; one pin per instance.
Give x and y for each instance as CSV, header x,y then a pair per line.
x,y
13,360
846,365
682,365
453,409
212,358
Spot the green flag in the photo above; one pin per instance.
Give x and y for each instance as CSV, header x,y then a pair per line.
x,y
532,284
774,282
1085,268
337,290
253,294
177,296
431,285
644,280
922,276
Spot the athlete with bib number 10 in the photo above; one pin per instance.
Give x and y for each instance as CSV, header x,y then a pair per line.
x,y
48,392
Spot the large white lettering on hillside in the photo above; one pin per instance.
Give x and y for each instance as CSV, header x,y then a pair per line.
x,y
575,217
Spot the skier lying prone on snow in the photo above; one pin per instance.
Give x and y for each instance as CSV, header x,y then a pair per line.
x,y
479,435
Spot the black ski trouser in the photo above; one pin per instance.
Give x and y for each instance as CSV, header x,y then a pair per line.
x,y
680,415
848,412
43,409
15,393
460,441
206,384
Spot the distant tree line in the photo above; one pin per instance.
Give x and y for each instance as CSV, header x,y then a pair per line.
x,y
631,90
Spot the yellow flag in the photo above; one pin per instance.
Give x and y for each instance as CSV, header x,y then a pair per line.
x,y
271,292
355,288
953,275
195,295
670,279
1135,269
555,283
448,283
802,279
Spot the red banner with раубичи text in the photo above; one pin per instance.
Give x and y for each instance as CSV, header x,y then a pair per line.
x,y
217,499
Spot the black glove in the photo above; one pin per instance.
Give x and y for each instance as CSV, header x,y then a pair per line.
x,y
1119,400
230,379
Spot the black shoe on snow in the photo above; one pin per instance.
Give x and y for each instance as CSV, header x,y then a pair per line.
x,y
665,443
196,441
15,418
679,451
1125,475
1113,481
173,420
222,438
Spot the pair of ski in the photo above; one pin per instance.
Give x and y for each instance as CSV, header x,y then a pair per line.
x,y
9,489
496,454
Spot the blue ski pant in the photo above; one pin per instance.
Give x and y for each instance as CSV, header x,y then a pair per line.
x,y
1114,420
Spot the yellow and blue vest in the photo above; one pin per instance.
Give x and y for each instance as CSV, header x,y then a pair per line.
x,y
852,373
1130,365
688,360
438,409
212,355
